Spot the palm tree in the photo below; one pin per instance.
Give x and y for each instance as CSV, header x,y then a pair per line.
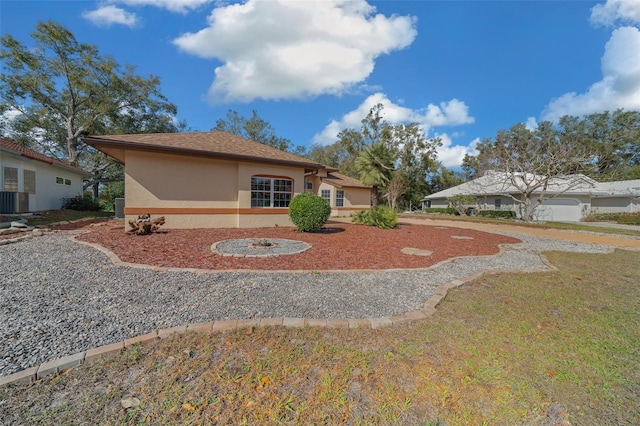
x,y
375,166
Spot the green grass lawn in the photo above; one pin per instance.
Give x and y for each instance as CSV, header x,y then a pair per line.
x,y
508,349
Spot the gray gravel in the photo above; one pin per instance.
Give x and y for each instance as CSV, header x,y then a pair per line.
x,y
58,297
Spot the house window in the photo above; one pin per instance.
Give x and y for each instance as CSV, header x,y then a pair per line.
x,y
59,180
271,192
308,185
29,181
339,198
67,181
11,179
497,205
326,194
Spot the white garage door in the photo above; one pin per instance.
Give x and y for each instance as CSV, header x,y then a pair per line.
x,y
559,210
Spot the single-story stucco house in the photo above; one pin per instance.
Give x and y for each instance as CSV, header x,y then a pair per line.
x,y
32,181
219,180
574,197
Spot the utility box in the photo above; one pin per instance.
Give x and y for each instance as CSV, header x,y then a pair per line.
x,y
7,202
119,207
14,202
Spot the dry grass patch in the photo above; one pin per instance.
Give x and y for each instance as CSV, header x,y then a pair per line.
x,y
507,349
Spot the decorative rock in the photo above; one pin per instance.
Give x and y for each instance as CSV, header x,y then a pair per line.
x,y
129,403
19,225
416,251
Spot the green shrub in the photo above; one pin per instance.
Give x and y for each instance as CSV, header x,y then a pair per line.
x,y
626,218
309,212
80,203
498,214
629,218
441,210
382,217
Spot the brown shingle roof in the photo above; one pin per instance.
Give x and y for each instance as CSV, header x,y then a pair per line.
x,y
211,144
339,180
7,145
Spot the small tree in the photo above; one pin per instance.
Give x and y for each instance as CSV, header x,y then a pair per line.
x,y
375,165
530,166
461,202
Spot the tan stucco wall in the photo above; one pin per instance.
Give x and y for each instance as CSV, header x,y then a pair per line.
x,y
193,192
354,199
358,197
161,180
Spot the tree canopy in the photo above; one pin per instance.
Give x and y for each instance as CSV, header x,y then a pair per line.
x,y
603,146
256,129
414,155
59,89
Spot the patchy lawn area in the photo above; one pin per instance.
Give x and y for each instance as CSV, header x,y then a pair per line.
x,y
537,349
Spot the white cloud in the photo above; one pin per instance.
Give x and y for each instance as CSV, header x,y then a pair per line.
x,y
452,155
531,124
451,113
619,87
627,11
281,49
105,16
177,6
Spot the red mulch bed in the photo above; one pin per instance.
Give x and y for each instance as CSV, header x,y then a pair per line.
x,y
341,247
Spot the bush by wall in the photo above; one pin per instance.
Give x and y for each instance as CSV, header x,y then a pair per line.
x,y
629,218
498,214
309,212
626,218
382,217
80,203
441,210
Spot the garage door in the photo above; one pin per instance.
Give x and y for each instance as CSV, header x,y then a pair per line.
x,y
559,210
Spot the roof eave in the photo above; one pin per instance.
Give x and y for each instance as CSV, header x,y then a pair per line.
x,y
96,142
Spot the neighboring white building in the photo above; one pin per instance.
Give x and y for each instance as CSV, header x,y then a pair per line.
x,y
570,199
30,181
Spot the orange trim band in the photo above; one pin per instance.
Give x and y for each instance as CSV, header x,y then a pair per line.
x,y
200,210
351,208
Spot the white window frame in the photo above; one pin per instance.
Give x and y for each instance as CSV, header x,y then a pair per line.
x,y
326,195
339,198
271,189
7,184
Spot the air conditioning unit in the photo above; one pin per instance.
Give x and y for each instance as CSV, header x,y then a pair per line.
x,y
22,202
14,202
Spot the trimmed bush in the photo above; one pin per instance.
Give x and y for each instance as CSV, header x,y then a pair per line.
x,y
625,218
383,217
86,203
441,210
498,214
309,212
629,218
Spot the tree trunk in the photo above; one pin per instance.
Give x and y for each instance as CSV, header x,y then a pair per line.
x,y
144,225
375,196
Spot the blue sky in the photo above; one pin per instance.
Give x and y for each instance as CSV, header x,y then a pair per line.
x,y
463,69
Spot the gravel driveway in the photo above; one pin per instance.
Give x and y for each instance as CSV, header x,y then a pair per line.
x,y
58,297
